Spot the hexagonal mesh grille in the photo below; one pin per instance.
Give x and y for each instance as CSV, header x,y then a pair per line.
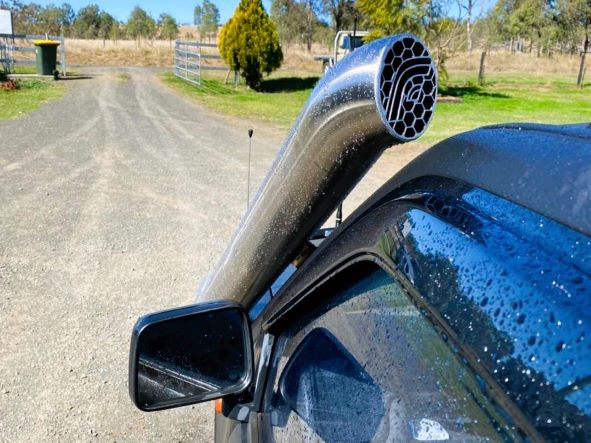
x,y
408,87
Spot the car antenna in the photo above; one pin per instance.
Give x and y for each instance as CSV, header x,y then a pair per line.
x,y
250,132
339,215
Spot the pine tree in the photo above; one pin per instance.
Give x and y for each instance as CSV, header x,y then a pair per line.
x,y
249,42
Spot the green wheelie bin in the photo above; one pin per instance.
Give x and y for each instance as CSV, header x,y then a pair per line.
x,y
46,56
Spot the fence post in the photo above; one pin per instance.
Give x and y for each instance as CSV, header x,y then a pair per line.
x,y
581,76
199,61
63,55
10,55
3,56
186,63
481,70
177,60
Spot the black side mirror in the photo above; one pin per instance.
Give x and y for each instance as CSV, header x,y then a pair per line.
x,y
190,355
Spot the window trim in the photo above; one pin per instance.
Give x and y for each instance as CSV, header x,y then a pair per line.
x,y
278,319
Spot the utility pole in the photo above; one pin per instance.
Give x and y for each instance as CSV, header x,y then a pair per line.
x,y
339,214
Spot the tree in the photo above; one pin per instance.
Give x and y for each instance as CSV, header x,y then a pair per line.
x,y
87,22
342,13
576,16
141,24
311,9
324,34
249,42
429,19
394,16
469,6
106,22
297,20
169,29
529,18
118,31
442,33
26,17
50,20
515,19
67,16
207,19
574,20
290,17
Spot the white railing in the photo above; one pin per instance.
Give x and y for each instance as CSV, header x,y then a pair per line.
x,y
189,57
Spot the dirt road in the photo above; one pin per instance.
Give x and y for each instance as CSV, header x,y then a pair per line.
x,y
114,202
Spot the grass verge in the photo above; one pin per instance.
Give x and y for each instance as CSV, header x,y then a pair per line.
x,y
504,98
31,94
509,98
280,103
31,69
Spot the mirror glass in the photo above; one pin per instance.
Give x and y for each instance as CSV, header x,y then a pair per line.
x,y
331,391
191,358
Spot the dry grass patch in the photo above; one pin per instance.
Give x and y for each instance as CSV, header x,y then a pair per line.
x,y
515,63
118,53
296,58
160,53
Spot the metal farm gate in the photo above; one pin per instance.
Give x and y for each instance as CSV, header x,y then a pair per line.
x,y
191,58
18,49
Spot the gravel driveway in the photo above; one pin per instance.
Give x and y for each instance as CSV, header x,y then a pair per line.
x,y
114,202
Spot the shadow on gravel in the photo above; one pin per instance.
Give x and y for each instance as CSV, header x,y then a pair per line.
x,y
288,84
76,77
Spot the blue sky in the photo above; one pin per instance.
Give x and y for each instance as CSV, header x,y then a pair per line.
x,y
182,10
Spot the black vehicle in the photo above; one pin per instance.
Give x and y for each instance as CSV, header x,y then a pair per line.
x,y
454,304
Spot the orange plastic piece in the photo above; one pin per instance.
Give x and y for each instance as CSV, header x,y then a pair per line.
x,y
218,406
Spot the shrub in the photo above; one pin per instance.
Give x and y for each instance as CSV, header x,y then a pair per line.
x,y
8,84
249,42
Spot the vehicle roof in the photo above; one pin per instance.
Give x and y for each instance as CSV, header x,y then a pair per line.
x,y
545,168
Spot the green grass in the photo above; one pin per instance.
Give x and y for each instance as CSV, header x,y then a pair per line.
x,y
25,69
31,95
32,69
510,98
280,105
123,77
504,98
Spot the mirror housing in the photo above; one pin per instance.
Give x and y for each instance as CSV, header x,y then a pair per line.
x,y
190,355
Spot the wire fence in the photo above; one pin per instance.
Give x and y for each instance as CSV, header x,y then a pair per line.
x,y
191,58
